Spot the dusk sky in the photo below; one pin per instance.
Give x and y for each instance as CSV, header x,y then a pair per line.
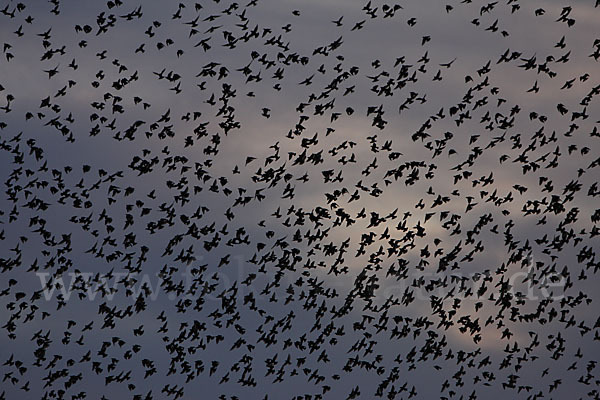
x,y
299,199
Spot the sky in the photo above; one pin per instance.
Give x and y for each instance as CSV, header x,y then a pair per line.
x,y
299,200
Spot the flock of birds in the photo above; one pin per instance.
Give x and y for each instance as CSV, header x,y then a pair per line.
x,y
262,201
